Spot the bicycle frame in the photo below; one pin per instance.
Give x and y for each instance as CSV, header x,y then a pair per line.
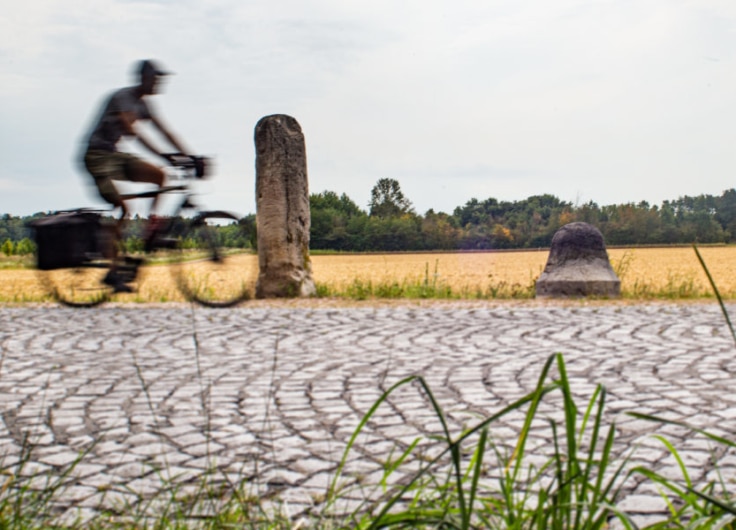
x,y
195,284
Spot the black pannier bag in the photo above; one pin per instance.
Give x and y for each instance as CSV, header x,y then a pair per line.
x,y
69,239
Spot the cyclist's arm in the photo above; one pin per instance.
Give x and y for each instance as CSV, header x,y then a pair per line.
x,y
148,145
128,119
173,140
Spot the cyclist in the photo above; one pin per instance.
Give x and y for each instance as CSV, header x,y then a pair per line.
x,y
120,117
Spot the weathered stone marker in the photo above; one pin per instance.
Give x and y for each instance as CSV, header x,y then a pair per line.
x,y
282,209
578,265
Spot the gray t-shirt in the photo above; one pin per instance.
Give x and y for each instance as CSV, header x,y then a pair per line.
x,y
109,128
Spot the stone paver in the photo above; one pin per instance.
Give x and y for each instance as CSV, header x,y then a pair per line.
x,y
138,395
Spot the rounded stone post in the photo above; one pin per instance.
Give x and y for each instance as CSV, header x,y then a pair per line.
x,y
282,209
578,265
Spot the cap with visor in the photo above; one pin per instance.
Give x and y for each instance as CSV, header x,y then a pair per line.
x,y
148,67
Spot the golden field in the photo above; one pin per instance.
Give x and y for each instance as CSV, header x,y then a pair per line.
x,y
646,273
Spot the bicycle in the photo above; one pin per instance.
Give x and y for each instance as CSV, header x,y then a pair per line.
x,y
79,250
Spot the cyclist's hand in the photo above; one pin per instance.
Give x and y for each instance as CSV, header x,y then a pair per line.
x,y
197,163
200,166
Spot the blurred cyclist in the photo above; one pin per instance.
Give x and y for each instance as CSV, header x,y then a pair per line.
x,y
120,116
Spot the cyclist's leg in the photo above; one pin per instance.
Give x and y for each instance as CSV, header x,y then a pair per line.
x,y
137,170
105,167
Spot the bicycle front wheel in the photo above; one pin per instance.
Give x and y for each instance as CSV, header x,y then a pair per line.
x,y
214,267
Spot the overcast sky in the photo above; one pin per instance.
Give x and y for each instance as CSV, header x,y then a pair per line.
x,y
610,101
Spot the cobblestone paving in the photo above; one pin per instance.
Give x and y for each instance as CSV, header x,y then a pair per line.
x,y
271,395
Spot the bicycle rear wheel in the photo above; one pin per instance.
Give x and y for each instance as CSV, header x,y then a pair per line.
x,y
78,286
214,269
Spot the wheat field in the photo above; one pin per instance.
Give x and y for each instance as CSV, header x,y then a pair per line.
x,y
645,273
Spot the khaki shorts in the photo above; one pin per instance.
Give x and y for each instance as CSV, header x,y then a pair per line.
x,y
107,166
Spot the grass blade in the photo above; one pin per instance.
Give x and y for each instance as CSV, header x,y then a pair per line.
x,y
600,396
728,508
454,448
378,521
715,290
333,485
714,437
479,452
535,398
678,458
572,468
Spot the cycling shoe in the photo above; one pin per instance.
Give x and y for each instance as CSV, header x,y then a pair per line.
x,y
115,280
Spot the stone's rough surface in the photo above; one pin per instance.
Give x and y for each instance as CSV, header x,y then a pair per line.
x,y
282,203
578,265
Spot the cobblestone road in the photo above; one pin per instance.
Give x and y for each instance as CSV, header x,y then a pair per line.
x,y
272,394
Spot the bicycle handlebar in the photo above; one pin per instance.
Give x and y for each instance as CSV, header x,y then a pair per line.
x,y
198,164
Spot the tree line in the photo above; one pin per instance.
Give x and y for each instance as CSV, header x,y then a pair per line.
x,y
390,223
16,237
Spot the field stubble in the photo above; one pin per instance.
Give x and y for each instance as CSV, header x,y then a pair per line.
x,y
645,273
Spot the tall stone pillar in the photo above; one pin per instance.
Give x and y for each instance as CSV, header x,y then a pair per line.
x,y
282,209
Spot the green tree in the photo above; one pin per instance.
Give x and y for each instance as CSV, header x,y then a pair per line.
x,y
329,200
24,247
387,200
726,212
331,221
8,247
394,233
439,231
